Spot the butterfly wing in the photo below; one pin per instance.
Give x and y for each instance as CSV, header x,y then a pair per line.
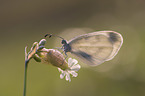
x,y
96,47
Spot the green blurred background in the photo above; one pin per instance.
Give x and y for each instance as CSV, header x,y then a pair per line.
x,y
23,22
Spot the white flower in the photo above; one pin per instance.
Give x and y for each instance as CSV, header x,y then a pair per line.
x,y
73,67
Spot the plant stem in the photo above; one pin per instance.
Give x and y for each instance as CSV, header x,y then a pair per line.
x,y
25,77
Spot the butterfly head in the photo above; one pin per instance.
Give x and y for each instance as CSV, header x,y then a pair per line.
x,y
63,42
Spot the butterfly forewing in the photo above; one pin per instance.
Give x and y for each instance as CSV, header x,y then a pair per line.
x,y
117,41
97,47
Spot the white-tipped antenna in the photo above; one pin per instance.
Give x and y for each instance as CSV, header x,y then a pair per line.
x,y
50,35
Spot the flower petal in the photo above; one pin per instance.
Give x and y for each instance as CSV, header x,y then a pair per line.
x,y
67,77
75,61
72,62
62,75
75,67
73,73
60,70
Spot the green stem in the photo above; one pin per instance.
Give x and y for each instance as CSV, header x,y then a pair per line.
x,y
25,77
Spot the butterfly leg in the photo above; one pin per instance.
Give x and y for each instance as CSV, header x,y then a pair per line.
x,y
65,55
59,48
64,58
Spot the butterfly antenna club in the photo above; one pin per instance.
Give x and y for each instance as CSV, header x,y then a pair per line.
x,y
50,35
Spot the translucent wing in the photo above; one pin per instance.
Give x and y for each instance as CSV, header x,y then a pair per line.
x,y
97,47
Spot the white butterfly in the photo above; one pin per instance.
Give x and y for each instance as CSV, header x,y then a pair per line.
x,y
93,48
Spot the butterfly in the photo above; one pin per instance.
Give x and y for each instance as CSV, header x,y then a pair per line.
x,y
93,48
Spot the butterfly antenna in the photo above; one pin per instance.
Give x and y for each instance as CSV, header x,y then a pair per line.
x,y
50,35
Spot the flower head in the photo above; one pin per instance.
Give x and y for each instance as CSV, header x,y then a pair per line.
x,y
53,57
73,68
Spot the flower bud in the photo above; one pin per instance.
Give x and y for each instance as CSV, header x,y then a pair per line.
x,y
42,42
32,52
54,57
35,44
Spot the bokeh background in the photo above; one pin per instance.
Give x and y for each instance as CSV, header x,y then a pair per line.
x,y
23,22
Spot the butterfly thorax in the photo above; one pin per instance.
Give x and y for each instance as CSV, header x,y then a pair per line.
x,y
67,48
